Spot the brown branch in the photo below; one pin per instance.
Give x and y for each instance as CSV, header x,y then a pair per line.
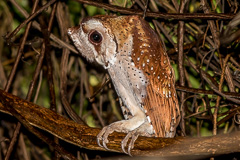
x,y
33,15
20,52
181,32
176,16
215,114
212,84
229,34
10,80
37,26
61,16
213,28
49,60
24,121
203,91
231,94
85,137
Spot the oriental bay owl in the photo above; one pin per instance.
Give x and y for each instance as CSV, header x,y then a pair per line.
x,y
130,50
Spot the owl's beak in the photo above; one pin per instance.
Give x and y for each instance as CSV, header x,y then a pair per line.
x,y
102,60
73,30
106,64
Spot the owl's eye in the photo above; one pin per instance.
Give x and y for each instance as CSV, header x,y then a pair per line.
x,y
95,37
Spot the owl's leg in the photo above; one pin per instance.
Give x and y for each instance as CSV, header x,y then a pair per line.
x,y
126,112
125,126
145,129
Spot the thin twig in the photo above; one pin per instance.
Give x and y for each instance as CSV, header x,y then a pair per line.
x,y
33,15
176,16
181,31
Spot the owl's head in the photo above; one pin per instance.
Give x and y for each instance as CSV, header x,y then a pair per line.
x,y
103,38
94,39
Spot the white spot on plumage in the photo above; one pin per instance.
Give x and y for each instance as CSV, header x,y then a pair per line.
x,y
166,95
148,118
152,129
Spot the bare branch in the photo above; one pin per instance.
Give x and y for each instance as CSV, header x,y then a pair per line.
x,y
84,136
177,16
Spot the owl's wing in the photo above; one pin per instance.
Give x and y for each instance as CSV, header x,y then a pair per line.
x,y
161,101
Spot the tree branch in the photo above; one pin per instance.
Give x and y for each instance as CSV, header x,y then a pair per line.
x,y
176,16
84,136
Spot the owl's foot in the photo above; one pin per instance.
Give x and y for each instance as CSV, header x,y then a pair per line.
x,y
103,135
133,135
124,126
143,130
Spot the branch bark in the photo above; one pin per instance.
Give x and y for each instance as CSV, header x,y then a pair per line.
x,y
176,16
84,136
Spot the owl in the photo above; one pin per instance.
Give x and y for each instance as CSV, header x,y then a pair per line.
x,y
140,70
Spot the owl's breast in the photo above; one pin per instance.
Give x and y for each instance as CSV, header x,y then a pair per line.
x,y
125,72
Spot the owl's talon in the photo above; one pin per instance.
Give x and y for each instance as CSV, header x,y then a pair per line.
x,y
104,143
105,146
103,136
123,145
125,140
98,142
131,144
123,148
134,135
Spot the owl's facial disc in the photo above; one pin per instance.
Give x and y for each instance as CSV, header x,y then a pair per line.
x,y
95,42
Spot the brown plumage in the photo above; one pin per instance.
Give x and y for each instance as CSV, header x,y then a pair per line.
x,y
161,101
140,71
